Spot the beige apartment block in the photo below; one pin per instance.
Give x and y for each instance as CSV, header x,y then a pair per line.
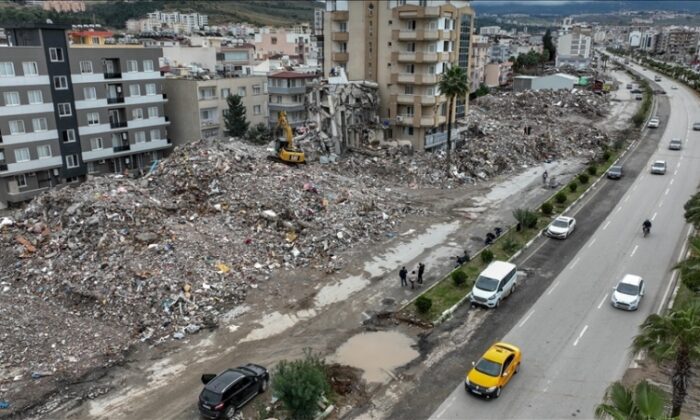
x,y
404,46
197,107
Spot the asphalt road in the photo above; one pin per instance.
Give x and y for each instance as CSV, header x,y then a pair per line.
x,y
574,343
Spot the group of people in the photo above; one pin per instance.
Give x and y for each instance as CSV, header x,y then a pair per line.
x,y
416,276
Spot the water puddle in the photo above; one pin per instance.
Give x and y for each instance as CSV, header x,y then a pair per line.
x,y
376,353
276,322
339,291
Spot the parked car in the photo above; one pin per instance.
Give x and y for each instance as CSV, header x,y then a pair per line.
x,y
674,87
657,78
638,97
629,86
494,370
654,123
658,167
561,227
628,293
225,393
696,127
495,283
615,172
675,144
636,90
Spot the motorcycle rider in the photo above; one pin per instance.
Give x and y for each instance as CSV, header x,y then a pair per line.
x,y
646,226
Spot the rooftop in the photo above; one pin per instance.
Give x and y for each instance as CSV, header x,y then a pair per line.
x,y
292,75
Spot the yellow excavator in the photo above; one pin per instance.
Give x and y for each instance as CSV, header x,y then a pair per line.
x,y
285,151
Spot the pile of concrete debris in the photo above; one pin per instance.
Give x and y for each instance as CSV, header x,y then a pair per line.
x,y
117,259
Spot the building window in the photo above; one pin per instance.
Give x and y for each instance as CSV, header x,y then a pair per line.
x,y
147,65
278,99
423,3
343,27
7,69
411,25
257,109
2,156
155,134
241,91
69,136
90,93
140,137
256,90
134,90
16,127
30,68
22,155
153,112
409,111
56,54
408,90
273,40
11,98
225,93
410,68
60,82
44,151
343,47
35,97
39,124
150,88
93,118
132,66
91,167
137,114
21,180
408,131
95,40
64,109
96,143
72,161
86,67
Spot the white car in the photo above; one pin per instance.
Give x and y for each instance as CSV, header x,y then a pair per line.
x,y
658,167
674,87
561,227
654,123
628,293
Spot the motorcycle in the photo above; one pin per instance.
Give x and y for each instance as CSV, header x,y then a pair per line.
x,y
645,230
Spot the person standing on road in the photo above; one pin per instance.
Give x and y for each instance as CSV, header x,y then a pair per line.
x,y
545,175
412,279
421,270
402,273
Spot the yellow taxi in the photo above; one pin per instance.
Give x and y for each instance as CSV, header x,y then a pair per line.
x,y
494,370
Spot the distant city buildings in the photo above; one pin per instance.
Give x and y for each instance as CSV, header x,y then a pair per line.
x,y
176,22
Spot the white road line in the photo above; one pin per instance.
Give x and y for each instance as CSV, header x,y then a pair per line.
x,y
618,209
551,289
592,242
526,318
679,164
583,331
671,183
634,250
606,225
667,190
600,305
634,187
575,262
653,217
675,172
661,203
626,198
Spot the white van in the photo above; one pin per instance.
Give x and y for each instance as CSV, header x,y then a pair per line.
x,y
494,284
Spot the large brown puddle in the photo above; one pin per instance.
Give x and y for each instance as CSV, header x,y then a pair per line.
x,y
376,353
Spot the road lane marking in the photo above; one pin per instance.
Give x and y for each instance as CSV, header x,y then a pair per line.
x,y
592,242
634,188
551,289
600,305
634,250
675,172
618,209
667,190
679,164
626,198
526,318
671,183
653,217
606,225
661,203
583,331
575,262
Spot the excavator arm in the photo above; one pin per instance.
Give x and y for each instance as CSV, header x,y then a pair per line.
x,y
286,152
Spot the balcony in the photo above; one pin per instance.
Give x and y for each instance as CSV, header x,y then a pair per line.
x,y
428,121
340,15
209,123
406,78
115,99
3,166
122,148
340,57
420,13
340,36
117,124
404,119
437,139
405,99
286,106
418,35
282,90
208,98
418,57
112,75
427,100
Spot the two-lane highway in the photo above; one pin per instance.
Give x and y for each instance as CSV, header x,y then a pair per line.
x,y
574,343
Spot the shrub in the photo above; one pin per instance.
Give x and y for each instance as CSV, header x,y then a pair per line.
x,y
583,178
509,245
560,197
259,134
547,208
300,385
573,186
459,277
592,170
486,256
606,156
423,304
526,218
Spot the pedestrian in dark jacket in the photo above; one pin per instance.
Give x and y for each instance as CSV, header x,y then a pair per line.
x,y
421,270
402,273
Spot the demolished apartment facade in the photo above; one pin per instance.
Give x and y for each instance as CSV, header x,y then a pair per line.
x,y
68,112
403,46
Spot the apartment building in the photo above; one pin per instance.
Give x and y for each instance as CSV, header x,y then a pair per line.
x,y
287,93
480,57
201,104
67,112
404,46
677,43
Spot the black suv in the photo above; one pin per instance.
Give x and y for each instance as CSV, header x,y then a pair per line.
x,y
230,390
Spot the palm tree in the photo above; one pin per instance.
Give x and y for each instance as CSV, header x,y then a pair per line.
x,y
454,85
604,58
675,337
690,267
645,402
692,210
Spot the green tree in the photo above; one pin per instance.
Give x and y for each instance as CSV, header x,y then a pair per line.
x,y
454,85
548,45
644,402
259,134
673,337
300,385
604,59
690,267
483,90
692,210
236,124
